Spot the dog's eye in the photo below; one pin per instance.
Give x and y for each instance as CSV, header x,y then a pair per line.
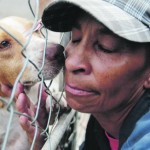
x,y
5,44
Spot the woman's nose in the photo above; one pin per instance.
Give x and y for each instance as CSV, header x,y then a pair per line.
x,y
77,62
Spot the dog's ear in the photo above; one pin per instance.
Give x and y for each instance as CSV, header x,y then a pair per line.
x,y
43,4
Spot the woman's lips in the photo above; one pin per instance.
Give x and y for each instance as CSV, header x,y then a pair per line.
x,y
79,92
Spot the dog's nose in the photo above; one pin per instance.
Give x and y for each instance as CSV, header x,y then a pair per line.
x,y
55,52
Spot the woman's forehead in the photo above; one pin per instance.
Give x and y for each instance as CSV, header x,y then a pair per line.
x,y
89,20
92,24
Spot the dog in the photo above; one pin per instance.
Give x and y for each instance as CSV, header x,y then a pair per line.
x,y
14,34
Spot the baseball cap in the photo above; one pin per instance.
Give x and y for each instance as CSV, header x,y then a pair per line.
x,y
129,19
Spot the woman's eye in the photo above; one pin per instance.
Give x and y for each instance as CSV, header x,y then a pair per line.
x,y
5,44
75,40
102,48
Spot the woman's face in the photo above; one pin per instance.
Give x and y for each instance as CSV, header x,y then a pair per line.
x,y
103,73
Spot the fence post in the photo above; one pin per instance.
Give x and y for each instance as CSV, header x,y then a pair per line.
x,y
58,132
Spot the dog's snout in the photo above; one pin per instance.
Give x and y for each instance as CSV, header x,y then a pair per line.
x,y
55,52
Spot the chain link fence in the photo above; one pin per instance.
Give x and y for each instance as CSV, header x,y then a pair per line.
x,y
64,126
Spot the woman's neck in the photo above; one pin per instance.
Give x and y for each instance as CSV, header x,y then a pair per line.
x,y
112,121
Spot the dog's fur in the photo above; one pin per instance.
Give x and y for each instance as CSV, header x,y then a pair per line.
x,y
11,63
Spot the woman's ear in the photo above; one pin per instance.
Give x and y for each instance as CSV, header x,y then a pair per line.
x,y
147,83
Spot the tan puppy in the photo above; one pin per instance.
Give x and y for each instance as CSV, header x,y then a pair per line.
x,y
11,63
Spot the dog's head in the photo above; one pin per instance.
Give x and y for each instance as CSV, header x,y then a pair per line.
x,y
14,34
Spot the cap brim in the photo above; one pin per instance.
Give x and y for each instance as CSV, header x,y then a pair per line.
x,y
60,15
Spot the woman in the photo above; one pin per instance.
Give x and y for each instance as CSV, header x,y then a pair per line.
x,y
106,69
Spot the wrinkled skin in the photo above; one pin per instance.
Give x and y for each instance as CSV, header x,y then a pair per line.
x,y
104,75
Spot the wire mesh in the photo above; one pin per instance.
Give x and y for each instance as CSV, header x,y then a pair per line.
x,y
60,124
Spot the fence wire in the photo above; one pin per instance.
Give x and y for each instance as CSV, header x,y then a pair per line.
x,y
63,123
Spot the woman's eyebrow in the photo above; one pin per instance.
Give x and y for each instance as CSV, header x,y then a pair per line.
x,y
104,30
